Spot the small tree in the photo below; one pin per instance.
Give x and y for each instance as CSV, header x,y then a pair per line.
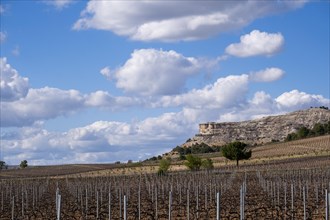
x,y
319,129
291,137
23,164
193,162
164,165
3,165
236,151
207,164
303,132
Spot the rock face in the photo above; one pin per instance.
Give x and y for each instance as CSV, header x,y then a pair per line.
x,y
259,131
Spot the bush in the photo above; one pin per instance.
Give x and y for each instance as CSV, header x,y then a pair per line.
x,y
164,165
182,157
291,137
207,164
3,165
303,132
196,149
23,164
193,162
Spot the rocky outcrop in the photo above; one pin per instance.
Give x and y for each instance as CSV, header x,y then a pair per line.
x,y
259,131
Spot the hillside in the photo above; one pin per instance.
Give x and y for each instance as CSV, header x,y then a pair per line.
x,y
259,131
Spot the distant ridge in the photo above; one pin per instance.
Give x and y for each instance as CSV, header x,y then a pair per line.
x,y
259,131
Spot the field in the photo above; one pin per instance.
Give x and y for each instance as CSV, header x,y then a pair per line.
x,y
282,181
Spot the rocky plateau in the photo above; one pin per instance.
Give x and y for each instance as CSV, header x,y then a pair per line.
x,y
259,131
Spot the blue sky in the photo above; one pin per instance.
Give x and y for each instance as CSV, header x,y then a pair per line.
x,y
102,81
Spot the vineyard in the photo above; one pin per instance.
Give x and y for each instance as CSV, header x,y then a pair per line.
x,y
292,187
271,192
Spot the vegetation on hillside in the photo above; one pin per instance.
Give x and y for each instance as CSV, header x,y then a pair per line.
x,y
303,132
201,148
207,164
3,165
164,165
194,163
154,158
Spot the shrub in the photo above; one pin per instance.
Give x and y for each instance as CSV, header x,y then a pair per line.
x,y
193,162
207,164
164,165
23,164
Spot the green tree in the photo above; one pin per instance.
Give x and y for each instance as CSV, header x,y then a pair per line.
x,y
23,164
201,148
207,164
236,151
164,165
291,137
303,132
3,165
319,129
193,162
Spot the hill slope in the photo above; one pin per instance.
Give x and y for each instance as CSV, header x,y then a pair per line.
x,y
259,131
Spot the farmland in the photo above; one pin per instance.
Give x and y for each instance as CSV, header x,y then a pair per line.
x,y
281,181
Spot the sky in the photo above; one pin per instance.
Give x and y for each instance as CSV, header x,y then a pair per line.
x,y
105,81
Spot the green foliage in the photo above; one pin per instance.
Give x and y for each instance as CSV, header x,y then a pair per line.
x,y
207,164
291,137
324,107
3,165
196,149
236,151
182,157
319,129
23,164
152,158
193,162
303,132
164,165
201,149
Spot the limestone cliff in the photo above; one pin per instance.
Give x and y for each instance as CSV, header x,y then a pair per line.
x,y
259,131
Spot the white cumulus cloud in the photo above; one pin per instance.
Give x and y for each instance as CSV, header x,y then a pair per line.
x,y
156,72
176,20
225,92
101,141
109,141
257,43
267,75
12,85
40,104
299,100
106,72
102,99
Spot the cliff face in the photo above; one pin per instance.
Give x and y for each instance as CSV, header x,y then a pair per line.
x,y
259,131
